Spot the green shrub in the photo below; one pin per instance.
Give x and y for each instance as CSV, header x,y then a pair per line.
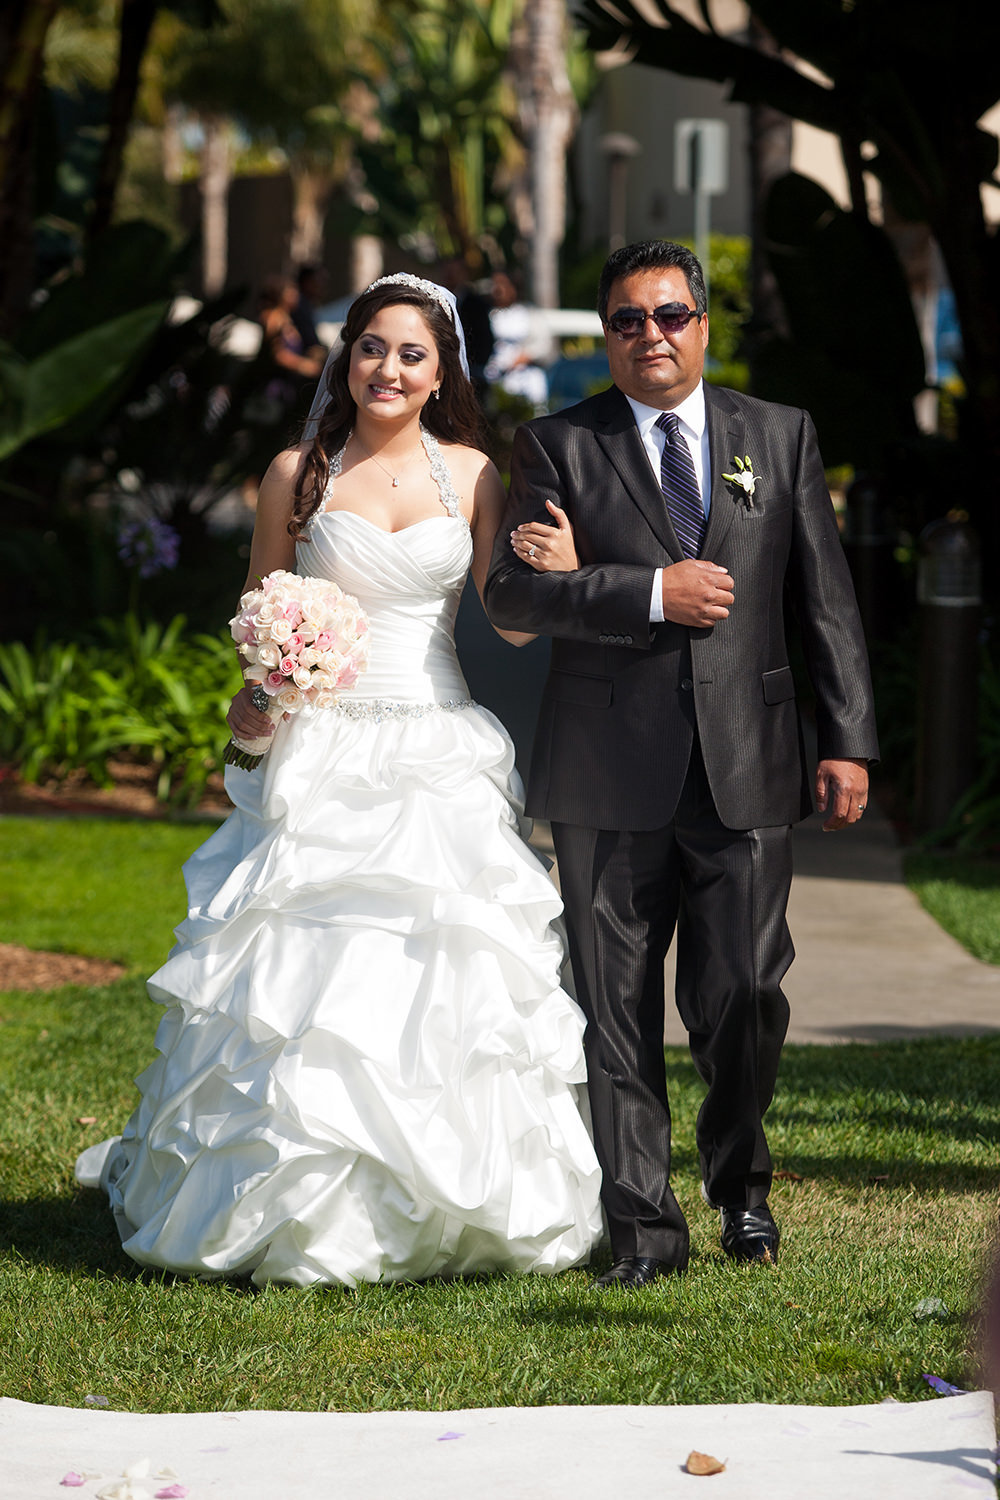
x,y
149,693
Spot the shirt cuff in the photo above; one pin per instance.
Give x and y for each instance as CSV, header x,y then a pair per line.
x,y
656,599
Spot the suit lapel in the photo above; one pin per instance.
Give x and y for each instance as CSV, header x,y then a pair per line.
x,y
726,437
618,437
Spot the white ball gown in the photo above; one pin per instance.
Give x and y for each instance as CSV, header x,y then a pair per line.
x,y
368,1069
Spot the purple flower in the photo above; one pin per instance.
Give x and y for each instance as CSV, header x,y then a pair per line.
x,y
150,545
944,1387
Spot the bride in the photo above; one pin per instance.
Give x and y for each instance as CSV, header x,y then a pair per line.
x,y
367,1068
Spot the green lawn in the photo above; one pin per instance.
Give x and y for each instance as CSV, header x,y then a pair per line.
x,y
962,892
887,1197
104,887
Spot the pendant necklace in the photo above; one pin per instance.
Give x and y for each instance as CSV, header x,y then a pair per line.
x,y
392,476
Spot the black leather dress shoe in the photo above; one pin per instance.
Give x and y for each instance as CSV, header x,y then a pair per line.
x,y
750,1234
632,1271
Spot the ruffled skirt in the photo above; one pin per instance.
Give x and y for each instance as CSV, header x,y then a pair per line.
x,y
368,1069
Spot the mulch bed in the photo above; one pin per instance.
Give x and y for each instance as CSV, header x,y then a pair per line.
x,y
133,795
24,969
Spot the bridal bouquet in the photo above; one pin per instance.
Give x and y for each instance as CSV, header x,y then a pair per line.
x,y
304,640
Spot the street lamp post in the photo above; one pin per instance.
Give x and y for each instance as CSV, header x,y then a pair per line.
x,y
701,167
619,149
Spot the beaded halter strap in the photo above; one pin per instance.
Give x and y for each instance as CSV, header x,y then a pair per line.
x,y
440,473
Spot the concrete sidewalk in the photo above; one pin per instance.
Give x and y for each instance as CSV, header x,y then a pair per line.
x,y
870,963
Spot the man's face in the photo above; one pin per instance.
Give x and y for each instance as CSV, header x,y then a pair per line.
x,y
659,369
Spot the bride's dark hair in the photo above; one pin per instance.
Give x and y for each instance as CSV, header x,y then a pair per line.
x,y
455,415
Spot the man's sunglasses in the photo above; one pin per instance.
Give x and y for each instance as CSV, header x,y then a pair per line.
x,y
672,317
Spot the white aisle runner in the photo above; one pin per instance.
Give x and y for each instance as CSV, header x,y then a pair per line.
x,y
927,1450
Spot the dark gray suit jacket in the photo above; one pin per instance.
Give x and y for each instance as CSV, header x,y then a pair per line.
x,y
623,698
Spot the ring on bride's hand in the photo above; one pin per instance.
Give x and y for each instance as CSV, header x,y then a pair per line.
x,y
532,550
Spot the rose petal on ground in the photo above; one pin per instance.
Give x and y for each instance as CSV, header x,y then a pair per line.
x,y
446,1437
72,1480
703,1463
172,1492
86,1120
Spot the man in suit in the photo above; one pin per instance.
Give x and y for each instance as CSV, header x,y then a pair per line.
x,y
668,755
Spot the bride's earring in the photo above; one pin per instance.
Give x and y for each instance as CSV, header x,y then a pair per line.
x,y
437,393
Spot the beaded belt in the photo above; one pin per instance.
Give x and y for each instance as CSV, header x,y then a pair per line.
x,y
376,709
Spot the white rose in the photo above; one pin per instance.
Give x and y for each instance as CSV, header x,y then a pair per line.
x,y
268,655
302,677
289,699
325,699
281,630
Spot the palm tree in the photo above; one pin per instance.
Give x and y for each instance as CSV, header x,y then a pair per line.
x,y
548,112
447,141
287,74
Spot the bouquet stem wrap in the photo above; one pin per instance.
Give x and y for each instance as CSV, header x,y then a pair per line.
x,y
248,754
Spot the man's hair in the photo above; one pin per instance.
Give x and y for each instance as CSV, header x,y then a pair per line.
x,y
652,255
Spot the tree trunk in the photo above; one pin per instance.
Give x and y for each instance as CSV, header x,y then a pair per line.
x,y
366,261
216,175
554,115
312,190
137,17
770,147
23,28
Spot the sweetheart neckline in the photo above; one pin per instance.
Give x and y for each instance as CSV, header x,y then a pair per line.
x,y
340,511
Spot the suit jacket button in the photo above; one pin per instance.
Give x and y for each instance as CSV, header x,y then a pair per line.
x,y
603,640
628,640
686,684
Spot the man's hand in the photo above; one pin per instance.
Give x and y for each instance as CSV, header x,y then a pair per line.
x,y
841,791
696,592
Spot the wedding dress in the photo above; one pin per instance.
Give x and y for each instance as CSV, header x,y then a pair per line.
x,y
367,1069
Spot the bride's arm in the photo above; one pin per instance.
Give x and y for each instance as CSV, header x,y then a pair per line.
x,y
489,500
271,548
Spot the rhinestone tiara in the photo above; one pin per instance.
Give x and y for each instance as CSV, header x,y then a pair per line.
x,y
418,284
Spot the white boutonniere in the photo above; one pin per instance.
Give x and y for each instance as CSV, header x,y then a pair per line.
x,y
744,478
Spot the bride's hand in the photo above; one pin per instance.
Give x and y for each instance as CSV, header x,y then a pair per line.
x,y
547,549
245,721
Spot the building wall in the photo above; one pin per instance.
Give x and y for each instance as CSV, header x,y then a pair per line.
x,y
645,103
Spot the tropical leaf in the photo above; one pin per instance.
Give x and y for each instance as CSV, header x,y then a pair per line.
x,y
58,384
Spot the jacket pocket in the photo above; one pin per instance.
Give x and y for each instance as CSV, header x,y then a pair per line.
x,y
778,685
587,692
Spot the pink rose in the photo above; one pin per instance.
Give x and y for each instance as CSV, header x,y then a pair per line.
x,y
294,643
324,640
292,612
274,681
287,665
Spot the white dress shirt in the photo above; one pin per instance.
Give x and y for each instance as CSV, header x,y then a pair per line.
x,y
692,423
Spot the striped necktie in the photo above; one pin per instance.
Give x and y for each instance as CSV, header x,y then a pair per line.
x,y
679,484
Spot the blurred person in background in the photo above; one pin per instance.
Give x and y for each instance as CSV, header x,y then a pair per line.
x,y
523,347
